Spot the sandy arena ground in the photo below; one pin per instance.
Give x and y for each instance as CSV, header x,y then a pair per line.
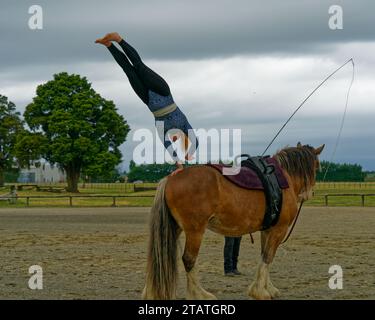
x,y
100,253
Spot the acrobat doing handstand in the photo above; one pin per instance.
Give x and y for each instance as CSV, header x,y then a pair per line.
x,y
154,91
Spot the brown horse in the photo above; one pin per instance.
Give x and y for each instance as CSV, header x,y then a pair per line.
x,y
200,197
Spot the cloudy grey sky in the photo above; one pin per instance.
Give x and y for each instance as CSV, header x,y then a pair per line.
x,y
230,64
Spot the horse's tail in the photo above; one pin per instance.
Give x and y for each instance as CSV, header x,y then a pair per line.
x,y
161,277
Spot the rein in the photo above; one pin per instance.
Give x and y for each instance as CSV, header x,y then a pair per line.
x,y
294,223
290,230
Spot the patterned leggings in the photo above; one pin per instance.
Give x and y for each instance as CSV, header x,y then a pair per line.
x,y
177,120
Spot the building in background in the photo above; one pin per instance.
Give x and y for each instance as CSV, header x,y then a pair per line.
x,y
45,173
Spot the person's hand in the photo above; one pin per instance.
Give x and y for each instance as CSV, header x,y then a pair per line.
x,y
180,167
189,157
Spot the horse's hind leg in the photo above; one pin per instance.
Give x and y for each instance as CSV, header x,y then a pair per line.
x,y
192,245
262,287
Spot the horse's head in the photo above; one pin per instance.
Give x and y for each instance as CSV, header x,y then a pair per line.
x,y
301,163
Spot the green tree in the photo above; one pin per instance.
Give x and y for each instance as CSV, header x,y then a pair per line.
x,y
109,176
74,127
149,172
11,175
30,146
340,172
10,126
132,164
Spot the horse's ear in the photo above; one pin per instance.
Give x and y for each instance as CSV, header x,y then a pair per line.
x,y
299,145
319,150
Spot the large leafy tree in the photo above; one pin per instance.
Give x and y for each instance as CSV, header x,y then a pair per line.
x,y
74,127
10,126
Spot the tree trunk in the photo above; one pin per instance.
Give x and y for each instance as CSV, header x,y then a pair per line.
x,y
72,177
1,178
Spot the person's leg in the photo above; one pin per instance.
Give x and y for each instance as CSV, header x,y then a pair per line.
x,y
228,256
236,251
150,78
136,83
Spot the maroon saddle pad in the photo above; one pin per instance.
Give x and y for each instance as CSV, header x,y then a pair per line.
x,y
248,178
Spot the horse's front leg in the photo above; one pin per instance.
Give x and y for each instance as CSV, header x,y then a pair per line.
x,y
262,288
272,290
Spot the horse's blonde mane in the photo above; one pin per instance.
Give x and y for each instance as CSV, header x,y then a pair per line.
x,y
299,162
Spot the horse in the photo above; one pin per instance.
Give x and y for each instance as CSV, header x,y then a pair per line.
x,y
200,197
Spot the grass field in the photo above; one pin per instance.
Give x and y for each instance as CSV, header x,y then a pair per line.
x,y
144,198
356,189
136,199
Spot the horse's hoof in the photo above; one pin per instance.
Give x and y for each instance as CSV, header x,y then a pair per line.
x,y
259,293
273,291
210,296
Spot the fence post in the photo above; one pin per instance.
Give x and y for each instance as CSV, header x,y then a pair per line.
x,y
326,200
114,202
27,201
363,200
71,201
